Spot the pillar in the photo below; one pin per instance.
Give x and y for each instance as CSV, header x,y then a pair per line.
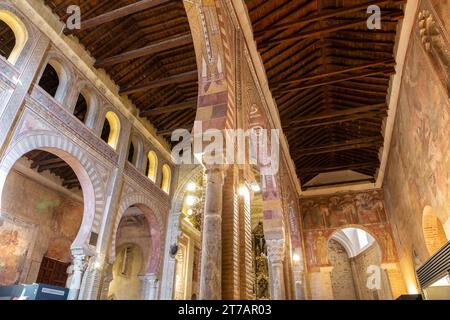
x,y
189,268
78,267
168,276
91,282
149,287
275,253
211,261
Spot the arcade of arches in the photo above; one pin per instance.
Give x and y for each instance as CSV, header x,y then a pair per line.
x,y
94,201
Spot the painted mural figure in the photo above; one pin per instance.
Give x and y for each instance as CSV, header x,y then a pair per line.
x,y
322,249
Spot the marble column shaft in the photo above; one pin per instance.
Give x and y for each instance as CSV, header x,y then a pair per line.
x,y
79,267
275,252
149,287
211,260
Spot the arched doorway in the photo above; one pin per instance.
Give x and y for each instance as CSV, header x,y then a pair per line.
x,y
356,258
42,209
133,249
136,251
433,231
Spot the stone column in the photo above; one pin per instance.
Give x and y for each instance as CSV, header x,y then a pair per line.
x,y
211,260
275,253
91,283
149,287
189,269
77,270
168,276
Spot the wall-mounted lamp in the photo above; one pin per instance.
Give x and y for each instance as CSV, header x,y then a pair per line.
x,y
243,191
255,187
191,200
191,186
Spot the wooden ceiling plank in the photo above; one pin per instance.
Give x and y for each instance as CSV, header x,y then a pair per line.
x,y
118,13
384,62
320,17
342,146
350,166
187,76
346,112
385,71
169,108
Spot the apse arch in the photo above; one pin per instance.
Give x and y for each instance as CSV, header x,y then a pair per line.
x,y
81,165
347,245
20,33
155,220
357,266
433,231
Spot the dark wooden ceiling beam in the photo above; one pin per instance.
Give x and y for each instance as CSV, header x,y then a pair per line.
x,y
371,115
321,31
338,183
342,146
179,78
383,72
168,132
169,109
350,166
118,13
322,16
52,166
46,162
145,51
340,113
384,62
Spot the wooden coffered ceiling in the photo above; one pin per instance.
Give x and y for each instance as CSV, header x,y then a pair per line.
x,y
146,47
330,76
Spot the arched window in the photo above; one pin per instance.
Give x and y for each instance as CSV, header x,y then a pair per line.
x,y
7,40
81,108
166,178
111,129
49,80
433,231
54,80
13,36
131,153
152,166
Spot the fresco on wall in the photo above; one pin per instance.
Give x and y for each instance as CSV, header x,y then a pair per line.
x,y
322,216
15,243
418,170
44,225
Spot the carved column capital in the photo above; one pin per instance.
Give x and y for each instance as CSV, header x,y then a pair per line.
x,y
80,262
